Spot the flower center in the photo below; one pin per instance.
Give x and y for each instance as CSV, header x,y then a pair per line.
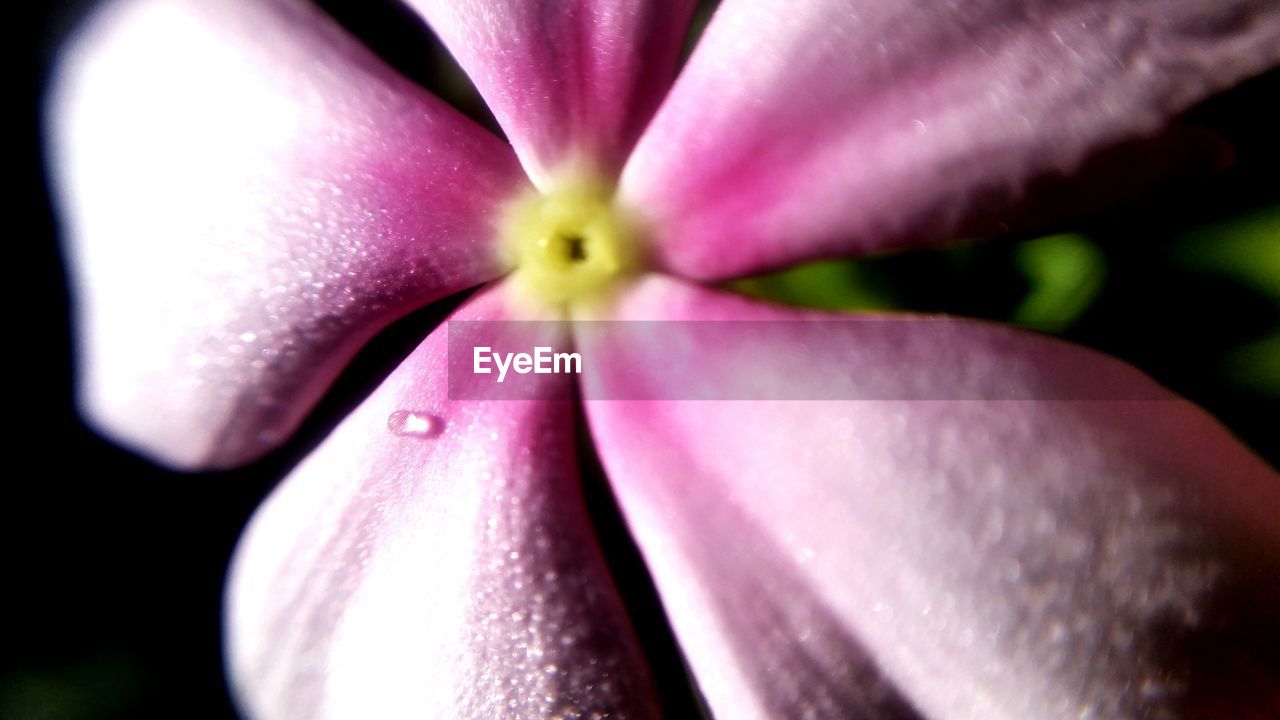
x,y
569,244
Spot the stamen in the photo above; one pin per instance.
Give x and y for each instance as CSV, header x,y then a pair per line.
x,y
569,244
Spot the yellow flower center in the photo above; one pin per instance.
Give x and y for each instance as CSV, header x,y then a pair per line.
x,y
569,244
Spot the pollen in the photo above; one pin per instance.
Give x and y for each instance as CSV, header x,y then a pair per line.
x,y
569,244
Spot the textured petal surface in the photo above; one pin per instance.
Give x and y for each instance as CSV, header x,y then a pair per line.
x,y
800,130
449,571
248,195
571,81
956,559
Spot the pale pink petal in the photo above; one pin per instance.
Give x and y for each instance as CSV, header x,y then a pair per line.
x,y
445,571
800,130
569,81
248,195
984,559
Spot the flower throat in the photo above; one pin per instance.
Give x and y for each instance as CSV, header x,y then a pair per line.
x,y
569,244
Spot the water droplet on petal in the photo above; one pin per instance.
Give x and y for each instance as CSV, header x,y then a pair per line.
x,y
409,423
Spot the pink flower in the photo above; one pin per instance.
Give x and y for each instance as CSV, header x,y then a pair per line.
x,y
250,196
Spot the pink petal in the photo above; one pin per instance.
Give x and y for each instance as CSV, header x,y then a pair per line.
x,y
802,130
249,195
569,81
965,558
448,571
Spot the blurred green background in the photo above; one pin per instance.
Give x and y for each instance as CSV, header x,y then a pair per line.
x,y
1187,291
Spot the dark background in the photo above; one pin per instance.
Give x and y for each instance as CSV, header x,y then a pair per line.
x,y
114,568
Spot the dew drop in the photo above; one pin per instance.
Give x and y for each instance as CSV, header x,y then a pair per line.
x,y
408,423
